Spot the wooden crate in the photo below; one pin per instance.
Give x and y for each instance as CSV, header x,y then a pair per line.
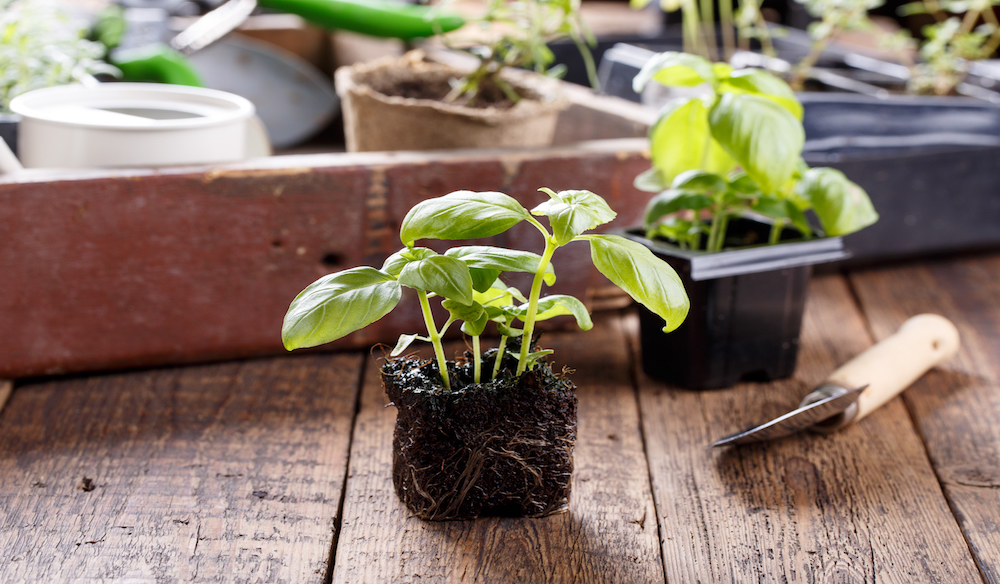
x,y
108,269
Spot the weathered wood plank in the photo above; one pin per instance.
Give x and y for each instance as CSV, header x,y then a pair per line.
x,y
132,268
6,388
861,505
955,407
220,473
608,534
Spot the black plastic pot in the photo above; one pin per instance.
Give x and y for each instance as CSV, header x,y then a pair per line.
x,y
746,308
500,448
929,165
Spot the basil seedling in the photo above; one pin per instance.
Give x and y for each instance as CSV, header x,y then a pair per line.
x,y
736,149
467,279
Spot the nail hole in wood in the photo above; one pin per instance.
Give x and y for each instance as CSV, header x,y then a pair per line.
x,y
332,260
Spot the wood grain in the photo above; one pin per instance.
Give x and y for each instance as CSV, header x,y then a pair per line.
x,y
129,268
860,505
608,534
955,407
230,472
6,388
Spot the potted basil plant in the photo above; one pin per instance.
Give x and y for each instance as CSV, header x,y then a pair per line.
x,y
731,215
411,103
491,433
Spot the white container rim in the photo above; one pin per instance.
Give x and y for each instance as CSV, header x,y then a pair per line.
x,y
94,106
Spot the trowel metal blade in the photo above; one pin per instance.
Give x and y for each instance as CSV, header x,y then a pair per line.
x,y
795,420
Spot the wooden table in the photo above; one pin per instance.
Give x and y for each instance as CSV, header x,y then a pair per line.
x,y
278,470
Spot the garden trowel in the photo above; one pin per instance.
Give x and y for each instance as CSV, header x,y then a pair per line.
x,y
864,383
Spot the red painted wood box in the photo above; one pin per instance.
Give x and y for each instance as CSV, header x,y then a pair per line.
x,y
109,269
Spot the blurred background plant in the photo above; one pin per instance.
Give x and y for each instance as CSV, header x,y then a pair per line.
x,y
42,44
519,32
736,27
962,31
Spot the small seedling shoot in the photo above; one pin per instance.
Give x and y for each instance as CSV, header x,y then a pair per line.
x,y
468,279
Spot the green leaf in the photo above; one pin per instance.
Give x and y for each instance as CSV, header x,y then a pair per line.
x,y
674,69
679,139
650,181
671,201
742,184
462,215
476,327
404,342
535,356
394,264
559,305
337,305
784,210
760,82
647,279
482,279
473,316
499,295
509,331
500,259
763,137
700,181
442,275
841,206
571,213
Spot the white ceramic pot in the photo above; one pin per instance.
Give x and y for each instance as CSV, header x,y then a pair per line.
x,y
135,124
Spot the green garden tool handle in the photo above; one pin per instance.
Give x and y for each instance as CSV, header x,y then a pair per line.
x,y
380,18
156,63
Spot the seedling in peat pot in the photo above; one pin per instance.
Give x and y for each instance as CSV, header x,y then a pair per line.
x,y
467,279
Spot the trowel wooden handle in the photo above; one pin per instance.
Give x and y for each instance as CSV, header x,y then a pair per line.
x,y
892,365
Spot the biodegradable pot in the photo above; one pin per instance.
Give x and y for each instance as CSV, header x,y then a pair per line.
x,y
500,448
746,308
375,119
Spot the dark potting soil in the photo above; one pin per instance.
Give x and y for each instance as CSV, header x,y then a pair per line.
x,y
500,448
437,89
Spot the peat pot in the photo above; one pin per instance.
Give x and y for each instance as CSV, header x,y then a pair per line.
x,y
746,307
386,107
491,449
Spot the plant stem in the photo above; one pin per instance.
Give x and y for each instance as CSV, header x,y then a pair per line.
x,y
499,358
722,232
712,233
776,229
708,28
435,336
477,361
994,40
728,36
536,291
766,46
691,24
806,64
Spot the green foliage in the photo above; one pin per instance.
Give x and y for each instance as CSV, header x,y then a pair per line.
x,y
521,31
736,150
964,30
337,305
42,46
341,303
